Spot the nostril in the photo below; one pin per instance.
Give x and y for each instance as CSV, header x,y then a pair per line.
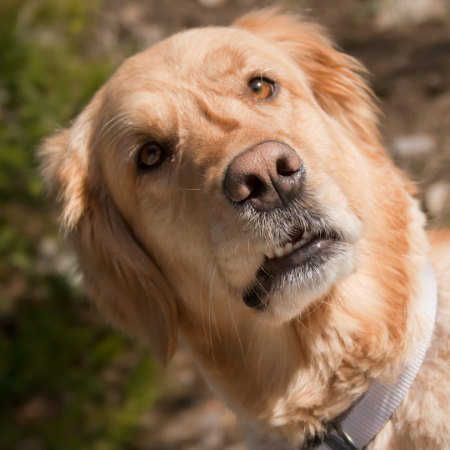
x,y
243,187
288,165
255,185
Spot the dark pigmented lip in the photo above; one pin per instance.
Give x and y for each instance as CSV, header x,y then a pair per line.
x,y
257,296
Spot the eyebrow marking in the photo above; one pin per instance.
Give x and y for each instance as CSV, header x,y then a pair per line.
x,y
227,124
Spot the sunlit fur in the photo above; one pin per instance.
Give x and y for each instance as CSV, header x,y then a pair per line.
x,y
165,252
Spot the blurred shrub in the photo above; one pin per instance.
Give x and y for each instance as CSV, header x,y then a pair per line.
x,y
65,381
49,69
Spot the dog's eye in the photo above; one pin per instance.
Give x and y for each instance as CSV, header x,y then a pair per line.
x,y
262,88
150,156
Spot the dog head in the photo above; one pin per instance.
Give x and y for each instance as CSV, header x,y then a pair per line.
x,y
221,176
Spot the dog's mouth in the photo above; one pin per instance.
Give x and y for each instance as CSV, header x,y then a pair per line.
x,y
304,253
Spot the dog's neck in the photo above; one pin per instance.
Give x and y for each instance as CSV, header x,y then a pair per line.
x,y
294,377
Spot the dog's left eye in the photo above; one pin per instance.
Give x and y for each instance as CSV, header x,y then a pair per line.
x,y
262,88
150,156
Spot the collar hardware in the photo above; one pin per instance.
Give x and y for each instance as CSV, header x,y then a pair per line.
x,y
338,439
335,439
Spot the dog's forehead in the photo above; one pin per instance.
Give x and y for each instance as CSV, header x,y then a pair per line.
x,y
169,87
210,52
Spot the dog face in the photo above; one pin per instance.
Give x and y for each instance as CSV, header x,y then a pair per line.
x,y
217,178
221,176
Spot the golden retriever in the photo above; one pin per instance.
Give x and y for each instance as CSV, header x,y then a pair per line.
x,y
229,184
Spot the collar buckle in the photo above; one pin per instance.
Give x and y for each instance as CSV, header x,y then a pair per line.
x,y
338,439
334,439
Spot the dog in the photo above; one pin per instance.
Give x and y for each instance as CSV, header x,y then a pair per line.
x,y
229,185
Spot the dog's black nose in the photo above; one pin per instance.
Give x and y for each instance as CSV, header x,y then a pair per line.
x,y
268,176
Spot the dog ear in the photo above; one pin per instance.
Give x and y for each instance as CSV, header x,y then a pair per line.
x,y
334,77
119,274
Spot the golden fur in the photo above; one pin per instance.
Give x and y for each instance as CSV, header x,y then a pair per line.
x,y
164,252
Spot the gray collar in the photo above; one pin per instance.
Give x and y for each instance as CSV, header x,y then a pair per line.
x,y
357,426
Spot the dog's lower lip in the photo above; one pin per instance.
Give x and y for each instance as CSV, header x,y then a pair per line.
x,y
298,256
256,296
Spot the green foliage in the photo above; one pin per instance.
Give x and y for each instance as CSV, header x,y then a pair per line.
x,y
65,381
49,70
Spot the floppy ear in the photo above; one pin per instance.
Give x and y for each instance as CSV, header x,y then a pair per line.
x,y
334,77
120,275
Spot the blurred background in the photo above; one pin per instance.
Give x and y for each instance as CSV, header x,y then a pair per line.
x,y
67,381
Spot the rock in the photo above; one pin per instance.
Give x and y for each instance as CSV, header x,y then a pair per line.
x,y
437,197
211,3
147,34
415,145
406,12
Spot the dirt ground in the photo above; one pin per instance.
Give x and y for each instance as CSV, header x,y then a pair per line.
x,y
409,69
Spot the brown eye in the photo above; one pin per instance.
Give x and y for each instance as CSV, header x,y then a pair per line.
x,y
262,88
150,155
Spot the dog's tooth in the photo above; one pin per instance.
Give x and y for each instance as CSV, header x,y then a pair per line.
x,y
303,242
279,252
307,235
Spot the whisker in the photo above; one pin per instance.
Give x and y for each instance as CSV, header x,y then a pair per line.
x,y
210,315
202,312
212,276
109,126
234,323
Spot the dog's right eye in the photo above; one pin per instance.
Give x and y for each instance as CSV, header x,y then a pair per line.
x,y
150,156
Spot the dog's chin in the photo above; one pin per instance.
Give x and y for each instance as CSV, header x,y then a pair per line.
x,y
286,285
